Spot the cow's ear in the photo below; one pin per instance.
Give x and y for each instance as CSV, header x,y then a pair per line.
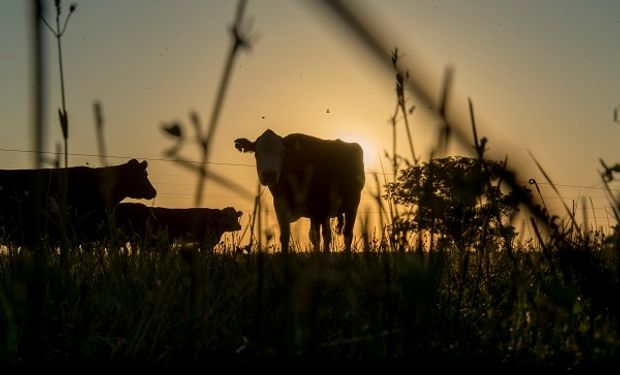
x,y
244,145
132,162
144,164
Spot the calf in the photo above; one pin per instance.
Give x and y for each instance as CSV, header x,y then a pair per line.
x,y
203,225
60,203
310,177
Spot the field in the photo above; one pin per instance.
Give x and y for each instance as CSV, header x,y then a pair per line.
x,y
447,308
446,283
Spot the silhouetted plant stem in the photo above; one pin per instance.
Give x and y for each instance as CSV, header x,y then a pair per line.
x,y
535,183
64,118
394,159
607,176
401,81
593,213
38,73
392,212
479,146
58,32
571,214
204,140
239,42
377,198
35,282
446,129
99,129
62,112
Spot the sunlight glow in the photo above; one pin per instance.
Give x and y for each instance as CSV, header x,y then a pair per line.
x,y
371,151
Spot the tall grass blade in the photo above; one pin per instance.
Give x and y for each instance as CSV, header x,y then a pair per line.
x,y
99,131
239,42
570,213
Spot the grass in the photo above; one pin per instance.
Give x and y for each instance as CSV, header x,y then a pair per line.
x,y
550,303
159,308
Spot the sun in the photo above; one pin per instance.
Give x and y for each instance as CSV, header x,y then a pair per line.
x,y
372,157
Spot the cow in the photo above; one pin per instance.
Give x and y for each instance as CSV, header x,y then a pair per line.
x,y
202,225
310,177
66,203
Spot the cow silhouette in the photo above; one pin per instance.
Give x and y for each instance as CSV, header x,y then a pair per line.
x,y
72,203
151,224
310,177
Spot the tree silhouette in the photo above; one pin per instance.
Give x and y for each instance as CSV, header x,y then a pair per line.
x,y
460,199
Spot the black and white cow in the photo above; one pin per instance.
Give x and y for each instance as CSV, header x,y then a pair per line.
x,y
310,177
71,203
203,225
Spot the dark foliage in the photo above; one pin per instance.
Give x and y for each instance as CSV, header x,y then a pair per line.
x,y
458,198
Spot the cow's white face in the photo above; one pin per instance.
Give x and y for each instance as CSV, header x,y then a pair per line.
x,y
269,153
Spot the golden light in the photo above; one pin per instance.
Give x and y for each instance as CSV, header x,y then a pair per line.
x,y
372,154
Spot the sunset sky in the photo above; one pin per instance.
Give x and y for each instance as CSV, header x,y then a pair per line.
x,y
544,77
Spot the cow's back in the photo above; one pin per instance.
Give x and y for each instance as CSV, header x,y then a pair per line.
x,y
178,224
186,223
332,157
329,174
54,202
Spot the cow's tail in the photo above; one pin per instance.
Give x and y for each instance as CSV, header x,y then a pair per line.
x,y
340,223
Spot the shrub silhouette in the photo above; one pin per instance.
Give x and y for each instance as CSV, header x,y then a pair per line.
x,y
458,198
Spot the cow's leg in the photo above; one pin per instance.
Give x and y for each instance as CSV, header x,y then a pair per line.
x,y
314,234
285,236
284,222
349,223
327,235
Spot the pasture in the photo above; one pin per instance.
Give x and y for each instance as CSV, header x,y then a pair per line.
x,y
440,279
444,309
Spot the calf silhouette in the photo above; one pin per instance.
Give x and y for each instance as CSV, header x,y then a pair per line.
x,y
52,204
310,177
203,225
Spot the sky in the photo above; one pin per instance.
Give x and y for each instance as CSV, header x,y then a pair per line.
x,y
543,77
